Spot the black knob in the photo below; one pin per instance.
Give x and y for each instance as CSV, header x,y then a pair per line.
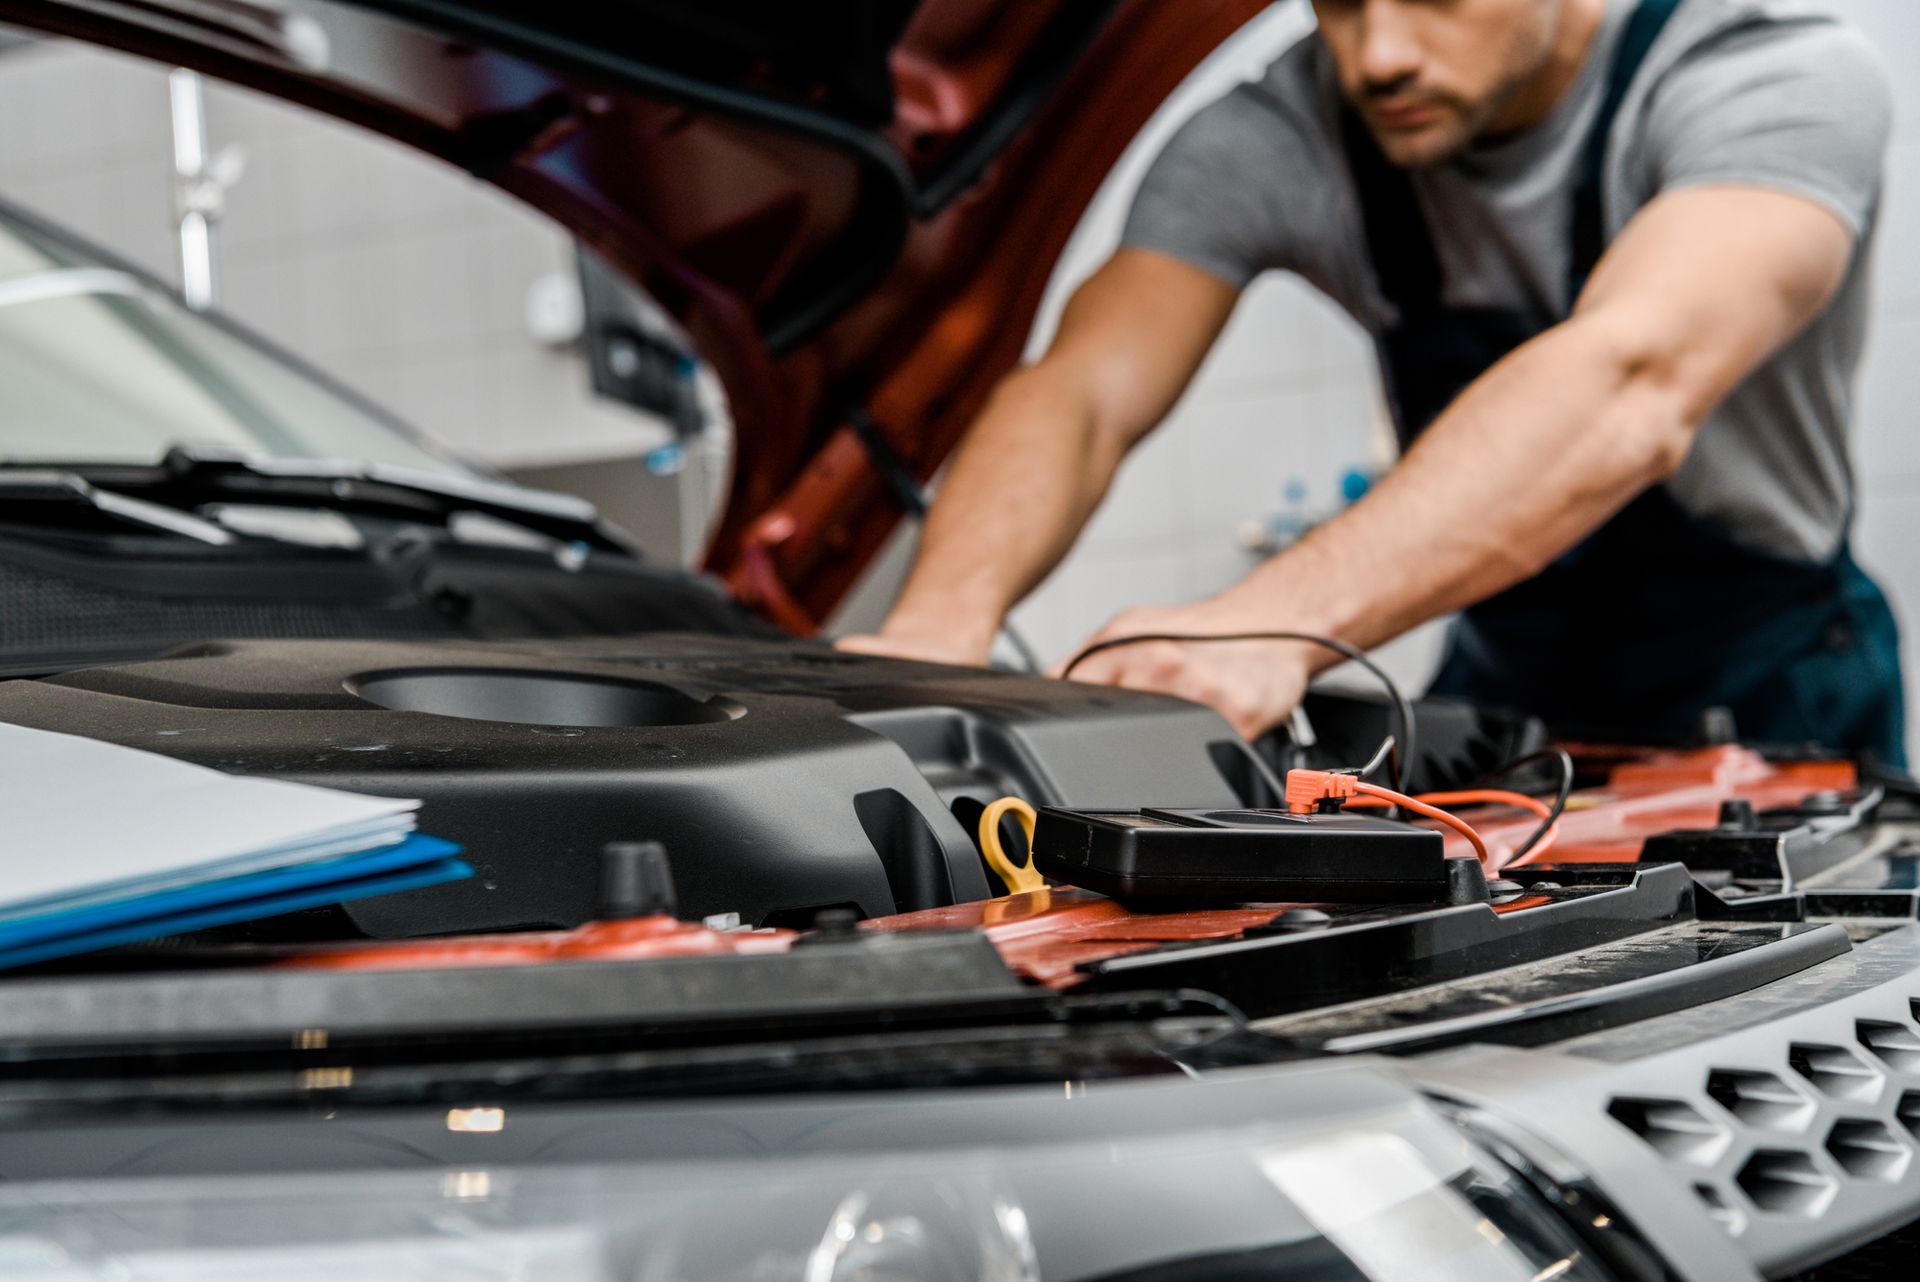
x,y
1467,882
636,881
1736,814
839,924
836,923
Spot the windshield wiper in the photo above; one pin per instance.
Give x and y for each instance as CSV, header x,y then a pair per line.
x,y
185,479
67,282
48,485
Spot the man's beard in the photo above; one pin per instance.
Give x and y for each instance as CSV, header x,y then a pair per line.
x,y
1461,123
1435,144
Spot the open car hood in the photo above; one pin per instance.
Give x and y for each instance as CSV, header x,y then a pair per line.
x,y
852,209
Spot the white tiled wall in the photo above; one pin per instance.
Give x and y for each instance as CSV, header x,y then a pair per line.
x,y
1887,425
409,280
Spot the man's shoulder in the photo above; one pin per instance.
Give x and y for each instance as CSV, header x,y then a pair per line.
x,y
1283,116
1790,11
1796,47
1707,29
1299,79
1247,184
1297,87
1783,94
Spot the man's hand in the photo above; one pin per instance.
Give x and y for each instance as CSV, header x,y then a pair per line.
x,y
1253,684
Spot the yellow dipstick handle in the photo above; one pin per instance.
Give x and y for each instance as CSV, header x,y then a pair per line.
x,y
1018,877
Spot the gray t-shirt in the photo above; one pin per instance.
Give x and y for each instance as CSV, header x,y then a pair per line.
x,y
1771,93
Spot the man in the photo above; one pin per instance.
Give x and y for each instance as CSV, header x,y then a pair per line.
x,y
1611,252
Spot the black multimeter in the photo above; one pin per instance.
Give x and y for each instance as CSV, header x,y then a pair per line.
x,y
1244,856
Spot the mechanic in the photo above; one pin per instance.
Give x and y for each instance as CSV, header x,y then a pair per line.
x,y
1612,255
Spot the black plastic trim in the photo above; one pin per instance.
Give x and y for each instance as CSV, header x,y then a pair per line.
x,y
1375,952
184,1008
1742,957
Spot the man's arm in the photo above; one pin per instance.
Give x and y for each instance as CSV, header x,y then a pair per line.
x,y
1041,455
1701,288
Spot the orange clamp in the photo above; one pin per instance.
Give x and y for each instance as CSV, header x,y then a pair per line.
x,y
1306,789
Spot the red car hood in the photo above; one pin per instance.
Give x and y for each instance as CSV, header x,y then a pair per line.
x,y
852,208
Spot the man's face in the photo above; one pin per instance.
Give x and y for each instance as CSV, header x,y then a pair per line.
x,y
1430,76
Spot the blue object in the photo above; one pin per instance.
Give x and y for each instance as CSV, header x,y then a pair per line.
x,y
667,460
1354,485
408,865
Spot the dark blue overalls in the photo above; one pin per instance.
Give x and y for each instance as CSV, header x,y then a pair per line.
x,y
1656,617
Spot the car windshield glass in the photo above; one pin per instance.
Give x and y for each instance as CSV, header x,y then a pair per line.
x,y
98,365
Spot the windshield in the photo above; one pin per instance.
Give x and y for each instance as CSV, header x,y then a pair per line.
x,y
99,365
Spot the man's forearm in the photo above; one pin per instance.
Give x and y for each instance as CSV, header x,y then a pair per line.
x,y
1037,461
1022,486
1700,288
1538,453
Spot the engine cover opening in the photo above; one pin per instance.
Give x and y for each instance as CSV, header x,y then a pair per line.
x,y
538,698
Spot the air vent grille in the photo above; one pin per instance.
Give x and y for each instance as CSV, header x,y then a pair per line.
x,y
1786,1182
1785,1134
1908,1112
1760,1099
1836,1072
1868,1150
1678,1131
1895,1045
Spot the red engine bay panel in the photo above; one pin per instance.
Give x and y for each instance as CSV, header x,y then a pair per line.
x,y
638,939
1651,793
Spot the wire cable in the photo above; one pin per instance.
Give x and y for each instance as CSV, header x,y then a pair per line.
x,y
1403,709
1539,842
1427,811
1378,758
1308,791
1532,846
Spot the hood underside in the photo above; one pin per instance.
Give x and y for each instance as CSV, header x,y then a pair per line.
x,y
838,203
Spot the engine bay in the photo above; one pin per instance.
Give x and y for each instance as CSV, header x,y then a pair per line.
x,y
708,801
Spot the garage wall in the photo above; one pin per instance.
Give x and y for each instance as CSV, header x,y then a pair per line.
x,y
1887,430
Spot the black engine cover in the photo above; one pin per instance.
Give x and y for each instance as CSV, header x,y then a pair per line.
x,y
783,777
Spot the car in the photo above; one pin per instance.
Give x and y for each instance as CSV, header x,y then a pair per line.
x,y
753,978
